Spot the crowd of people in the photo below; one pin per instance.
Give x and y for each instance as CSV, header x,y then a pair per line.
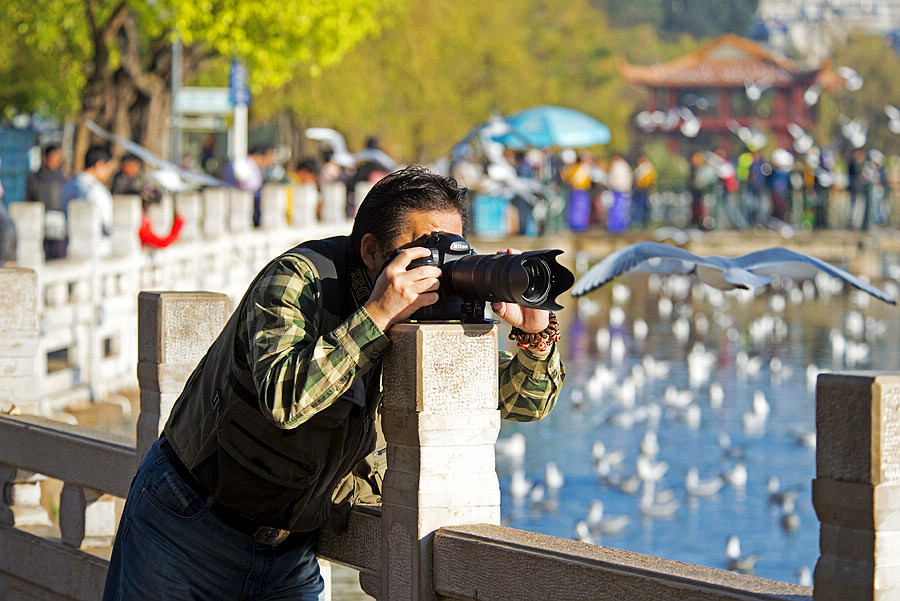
x,y
101,177
104,176
548,191
725,192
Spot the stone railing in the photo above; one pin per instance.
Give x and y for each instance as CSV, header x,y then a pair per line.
x,y
436,535
85,305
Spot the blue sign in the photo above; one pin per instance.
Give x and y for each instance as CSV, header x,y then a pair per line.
x,y
237,84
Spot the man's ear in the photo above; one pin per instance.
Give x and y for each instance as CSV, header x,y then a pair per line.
x,y
370,252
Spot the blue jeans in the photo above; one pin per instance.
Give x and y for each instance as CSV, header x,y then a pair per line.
x,y
171,546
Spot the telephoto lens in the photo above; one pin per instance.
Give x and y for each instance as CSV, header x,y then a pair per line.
x,y
532,279
526,279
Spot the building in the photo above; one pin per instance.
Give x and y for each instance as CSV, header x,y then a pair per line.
x,y
874,16
700,101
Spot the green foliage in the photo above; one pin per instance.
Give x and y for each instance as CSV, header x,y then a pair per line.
x,y
642,45
48,44
706,18
624,14
273,38
878,64
445,67
672,170
42,58
436,70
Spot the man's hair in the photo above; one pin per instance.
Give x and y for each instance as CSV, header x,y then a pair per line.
x,y
132,157
49,148
95,154
260,149
384,212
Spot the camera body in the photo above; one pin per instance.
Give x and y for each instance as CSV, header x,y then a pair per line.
x,y
468,280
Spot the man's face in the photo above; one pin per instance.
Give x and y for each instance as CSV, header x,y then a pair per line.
x,y
53,160
103,170
131,168
420,223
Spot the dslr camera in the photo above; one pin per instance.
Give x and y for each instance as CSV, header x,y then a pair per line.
x,y
468,280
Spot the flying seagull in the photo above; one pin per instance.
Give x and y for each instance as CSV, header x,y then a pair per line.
x,y
750,270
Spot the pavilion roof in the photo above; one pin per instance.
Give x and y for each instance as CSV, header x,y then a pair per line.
x,y
728,61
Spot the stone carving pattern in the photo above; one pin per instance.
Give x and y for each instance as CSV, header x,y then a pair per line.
x,y
449,370
890,435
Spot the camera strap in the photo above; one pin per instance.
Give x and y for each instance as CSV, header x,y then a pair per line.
x,y
360,286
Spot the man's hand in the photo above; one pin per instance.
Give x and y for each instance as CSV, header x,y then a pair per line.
x,y
527,320
399,293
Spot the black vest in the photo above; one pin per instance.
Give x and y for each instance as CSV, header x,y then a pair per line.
x,y
300,478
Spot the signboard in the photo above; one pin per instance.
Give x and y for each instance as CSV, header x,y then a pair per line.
x,y
203,101
200,122
237,84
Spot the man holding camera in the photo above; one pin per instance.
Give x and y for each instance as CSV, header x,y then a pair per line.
x,y
276,433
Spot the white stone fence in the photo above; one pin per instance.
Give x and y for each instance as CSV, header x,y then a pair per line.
x,y
84,310
436,536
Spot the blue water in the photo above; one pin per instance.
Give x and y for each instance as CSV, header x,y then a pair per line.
x,y
698,530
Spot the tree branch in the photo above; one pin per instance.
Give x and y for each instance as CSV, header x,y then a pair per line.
x,y
129,46
115,21
89,8
195,59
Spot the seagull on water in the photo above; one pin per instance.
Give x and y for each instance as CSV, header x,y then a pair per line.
x,y
553,478
737,476
725,273
696,487
779,496
511,448
734,560
598,521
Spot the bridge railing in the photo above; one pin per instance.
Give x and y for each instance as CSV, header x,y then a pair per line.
x,y
437,533
87,304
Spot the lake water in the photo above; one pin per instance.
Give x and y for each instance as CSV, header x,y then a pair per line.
x,y
620,384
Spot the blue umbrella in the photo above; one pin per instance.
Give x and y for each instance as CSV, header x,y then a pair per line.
x,y
547,125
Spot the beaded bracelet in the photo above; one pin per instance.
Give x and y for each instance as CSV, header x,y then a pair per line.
x,y
537,341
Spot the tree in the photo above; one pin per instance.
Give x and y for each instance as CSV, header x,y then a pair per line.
x,y
628,13
114,56
446,67
876,62
706,18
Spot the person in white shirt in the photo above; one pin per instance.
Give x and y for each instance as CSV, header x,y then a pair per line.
x,y
90,185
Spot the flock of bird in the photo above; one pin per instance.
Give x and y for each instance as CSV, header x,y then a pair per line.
x,y
631,389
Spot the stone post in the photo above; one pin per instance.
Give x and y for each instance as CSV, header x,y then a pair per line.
x,y
189,206
85,243
334,202
856,492
84,230
441,421
174,331
126,223
273,206
304,198
22,369
359,193
21,365
215,212
29,220
240,217
87,517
